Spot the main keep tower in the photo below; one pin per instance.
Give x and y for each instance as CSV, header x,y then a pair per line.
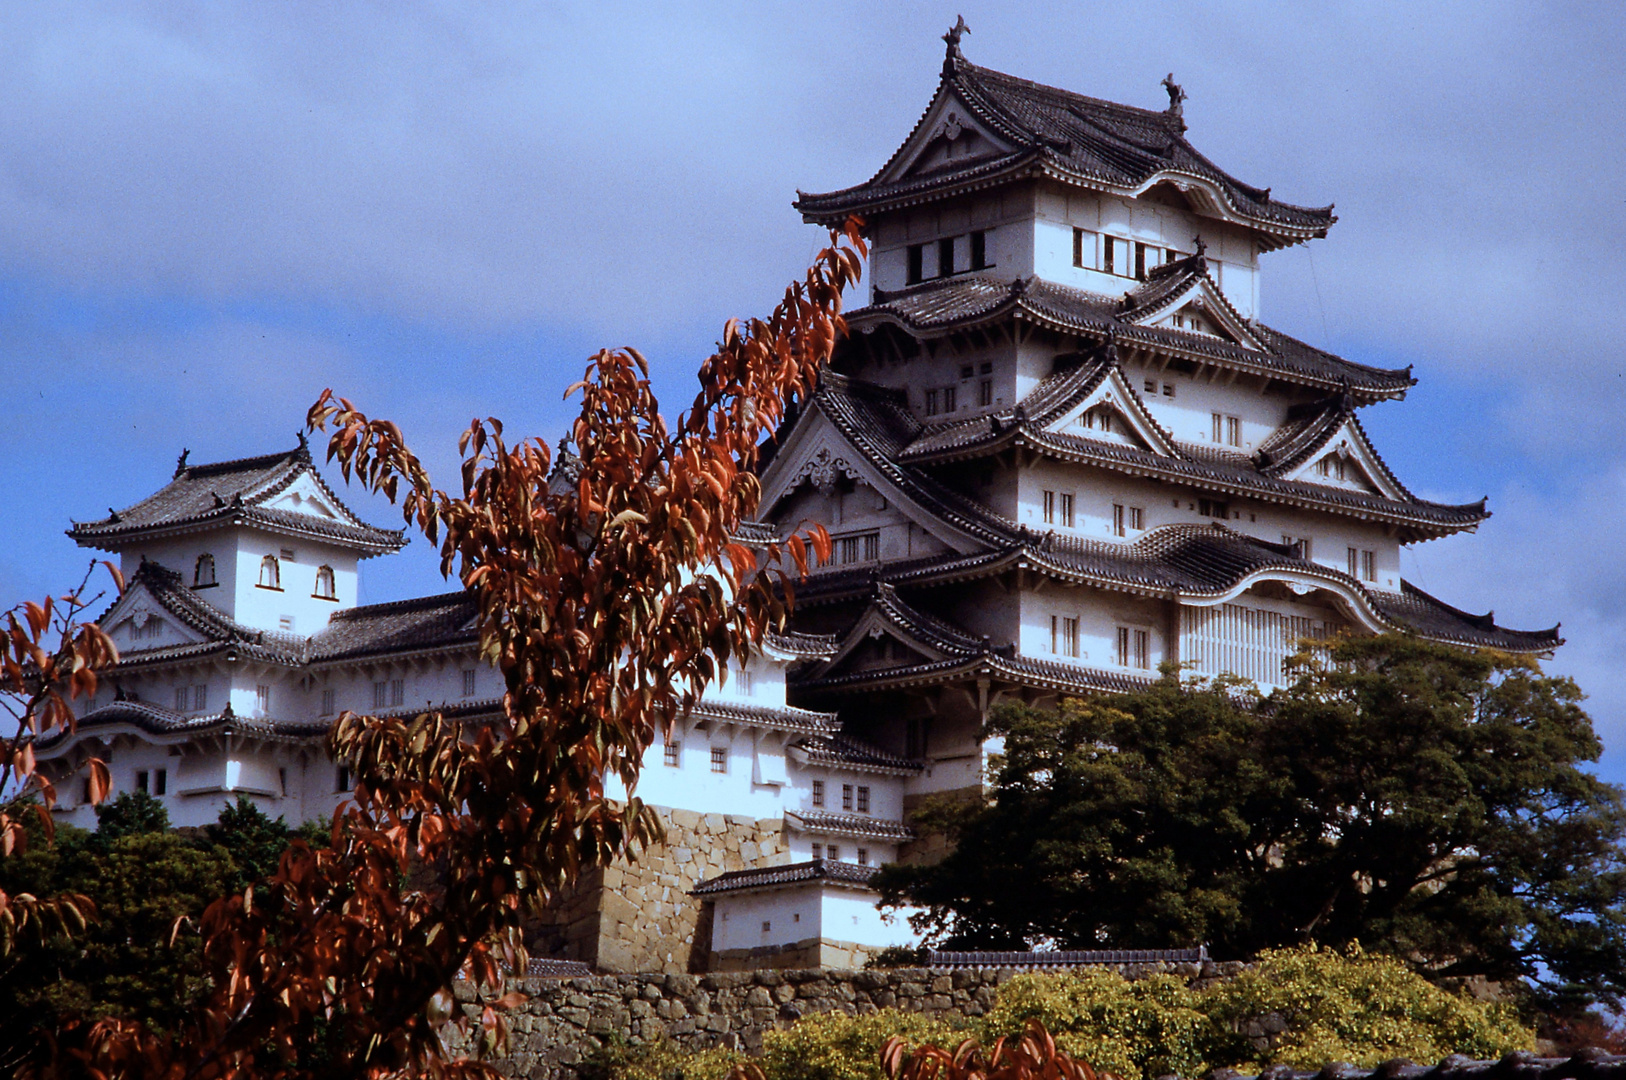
x,y
1060,448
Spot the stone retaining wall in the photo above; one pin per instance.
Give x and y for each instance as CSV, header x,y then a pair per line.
x,y
565,1020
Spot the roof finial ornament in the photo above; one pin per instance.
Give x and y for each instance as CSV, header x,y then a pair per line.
x,y
957,31
304,446
1177,97
180,462
1201,245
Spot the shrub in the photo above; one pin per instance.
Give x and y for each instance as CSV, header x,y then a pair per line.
x,y
1356,1007
835,1046
1145,1027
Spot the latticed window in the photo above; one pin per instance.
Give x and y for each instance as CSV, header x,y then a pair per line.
x,y
818,793
863,799
1248,642
672,754
719,759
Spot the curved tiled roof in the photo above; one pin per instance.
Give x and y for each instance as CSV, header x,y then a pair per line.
x,y
234,493
861,826
802,646
769,876
1434,618
845,752
965,301
158,720
783,718
424,622
1074,138
876,422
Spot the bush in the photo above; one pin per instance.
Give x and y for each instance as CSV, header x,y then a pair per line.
x,y
1318,1005
1145,1027
1356,1007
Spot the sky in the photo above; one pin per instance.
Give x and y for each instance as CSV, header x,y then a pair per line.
x,y
211,212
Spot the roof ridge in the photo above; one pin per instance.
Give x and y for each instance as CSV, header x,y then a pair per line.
x,y
258,461
411,603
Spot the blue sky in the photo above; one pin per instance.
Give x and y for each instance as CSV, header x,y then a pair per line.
x,y
209,213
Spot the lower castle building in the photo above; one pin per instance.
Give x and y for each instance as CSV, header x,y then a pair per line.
x,y
1057,449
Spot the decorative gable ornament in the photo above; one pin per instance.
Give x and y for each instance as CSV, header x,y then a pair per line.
x,y
823,470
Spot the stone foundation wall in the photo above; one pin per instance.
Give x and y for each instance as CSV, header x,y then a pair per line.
x,y
639,916
566,1020
807,953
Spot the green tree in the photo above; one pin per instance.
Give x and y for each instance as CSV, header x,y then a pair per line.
x,y
131,814
255,839
1411,798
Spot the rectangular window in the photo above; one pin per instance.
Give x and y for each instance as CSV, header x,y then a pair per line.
x,y
1123,646
1150,386
966,371
468,683
285,623
262,699
397,691
1168,389
200,697
979,251
1140,261
381,694
872,547
948,399
672,753
945,256
1078,248
1069,637
985,392
1369,569
1142,647
863,798
917,264
288,554
1233,430
182,696
1354,561
846,796
160,782
327,702
719,759
818,851
1067,510
931,403
987,368
1117,520
1137,518
848,549
1219,426
1050,508
1115,256
833,853
818,793
863,856
744,682
341,779
141,779
282,782
1214,509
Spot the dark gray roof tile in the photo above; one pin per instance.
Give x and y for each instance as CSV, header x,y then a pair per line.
x,y
796,873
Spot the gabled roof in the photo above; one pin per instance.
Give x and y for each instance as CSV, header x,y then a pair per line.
x,y
897,444
238,492
155,719
1035,130
219,633
783,718
970,301
1184,282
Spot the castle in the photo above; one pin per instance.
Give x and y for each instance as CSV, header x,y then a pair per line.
x,y
1058,449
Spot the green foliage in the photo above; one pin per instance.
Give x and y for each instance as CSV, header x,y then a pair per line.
x,y
142,877
131,814
1359,1008
1146,1027
1325,1006
1414,799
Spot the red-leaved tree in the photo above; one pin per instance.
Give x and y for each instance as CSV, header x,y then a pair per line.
x,y
610,592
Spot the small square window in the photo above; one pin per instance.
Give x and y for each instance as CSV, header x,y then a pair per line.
x,y
1168,389
833,853
863,856
288,553
766,926
719,759
818,851
988,368
1137,518
672,754
967,370
1150,386
285,623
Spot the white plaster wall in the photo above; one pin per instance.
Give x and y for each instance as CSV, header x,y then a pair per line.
x,y
1099,613
850,915
263,608
792,914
